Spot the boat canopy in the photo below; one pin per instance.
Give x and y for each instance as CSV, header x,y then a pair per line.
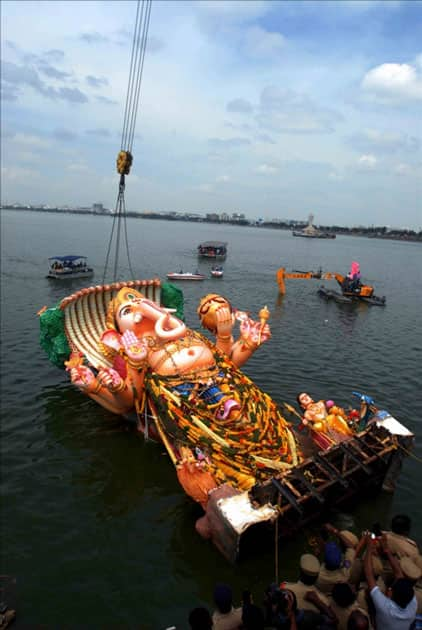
x,y
213,244
71,258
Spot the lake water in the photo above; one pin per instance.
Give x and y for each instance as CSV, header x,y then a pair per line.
x,y
94,524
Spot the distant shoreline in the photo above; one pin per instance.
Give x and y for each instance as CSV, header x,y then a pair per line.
x,y
373,232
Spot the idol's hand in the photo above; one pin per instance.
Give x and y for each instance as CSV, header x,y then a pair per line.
x,y
254,332
136,349
110,378
225,322
84,378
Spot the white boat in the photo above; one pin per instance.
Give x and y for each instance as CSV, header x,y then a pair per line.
x,y
217,272
185,275
69,267
309,231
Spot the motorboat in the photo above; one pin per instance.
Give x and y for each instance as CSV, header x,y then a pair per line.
x,y
185,275
216,250
217,272
69,267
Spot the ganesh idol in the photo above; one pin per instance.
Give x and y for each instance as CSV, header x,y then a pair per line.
x,y
208,413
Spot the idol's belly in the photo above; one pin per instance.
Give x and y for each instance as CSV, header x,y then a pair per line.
x,y
172,361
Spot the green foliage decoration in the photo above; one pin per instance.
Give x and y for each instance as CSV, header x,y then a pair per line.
x,y
52,336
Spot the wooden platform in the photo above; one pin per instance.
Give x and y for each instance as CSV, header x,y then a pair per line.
x,y
327,479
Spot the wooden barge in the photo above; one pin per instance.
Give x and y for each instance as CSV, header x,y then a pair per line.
x,y
367,463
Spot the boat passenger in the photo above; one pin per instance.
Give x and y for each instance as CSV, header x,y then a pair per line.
x,y
225,615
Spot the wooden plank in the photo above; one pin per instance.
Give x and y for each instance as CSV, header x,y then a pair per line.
x,y
330,469
308,485
287,494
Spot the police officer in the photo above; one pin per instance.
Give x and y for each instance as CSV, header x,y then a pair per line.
x,y
309,571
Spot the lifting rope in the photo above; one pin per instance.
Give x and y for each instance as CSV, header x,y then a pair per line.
x,y
125,157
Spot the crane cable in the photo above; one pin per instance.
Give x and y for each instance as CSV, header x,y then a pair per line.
x,y
125,157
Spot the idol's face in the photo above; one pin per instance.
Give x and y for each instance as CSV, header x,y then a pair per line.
x,y
129,316
305,400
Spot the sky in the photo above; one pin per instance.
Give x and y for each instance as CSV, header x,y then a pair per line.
x,y
272,109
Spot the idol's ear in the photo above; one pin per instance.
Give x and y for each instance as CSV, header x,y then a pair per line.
x,y
110,321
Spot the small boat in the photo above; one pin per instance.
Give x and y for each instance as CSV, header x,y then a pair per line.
x,y
69,267
217,272
215,250
185,275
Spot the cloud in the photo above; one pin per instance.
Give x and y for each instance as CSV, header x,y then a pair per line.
x,y
403,169
383,141
261,43
73,95
54,55
367,162
9,92
240,105
223,179
96,82
394,82
30,140
52,72
229,11
264,137
266,169
77,167
291,112
16,75
99,132
64,134
154,44
106,100
336,176
93,38
219,144
19,174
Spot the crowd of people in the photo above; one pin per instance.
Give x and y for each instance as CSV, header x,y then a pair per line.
x,y
371,582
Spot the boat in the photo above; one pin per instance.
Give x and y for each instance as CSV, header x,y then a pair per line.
x,y
69,267
216,250
217,272
352,289
350,298
185,275
309,231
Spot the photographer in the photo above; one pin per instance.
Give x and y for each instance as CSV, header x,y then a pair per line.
x,y
282,612
397,609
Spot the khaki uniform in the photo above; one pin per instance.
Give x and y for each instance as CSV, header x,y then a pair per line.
x,y
401,545
327,579
343,614
300,589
